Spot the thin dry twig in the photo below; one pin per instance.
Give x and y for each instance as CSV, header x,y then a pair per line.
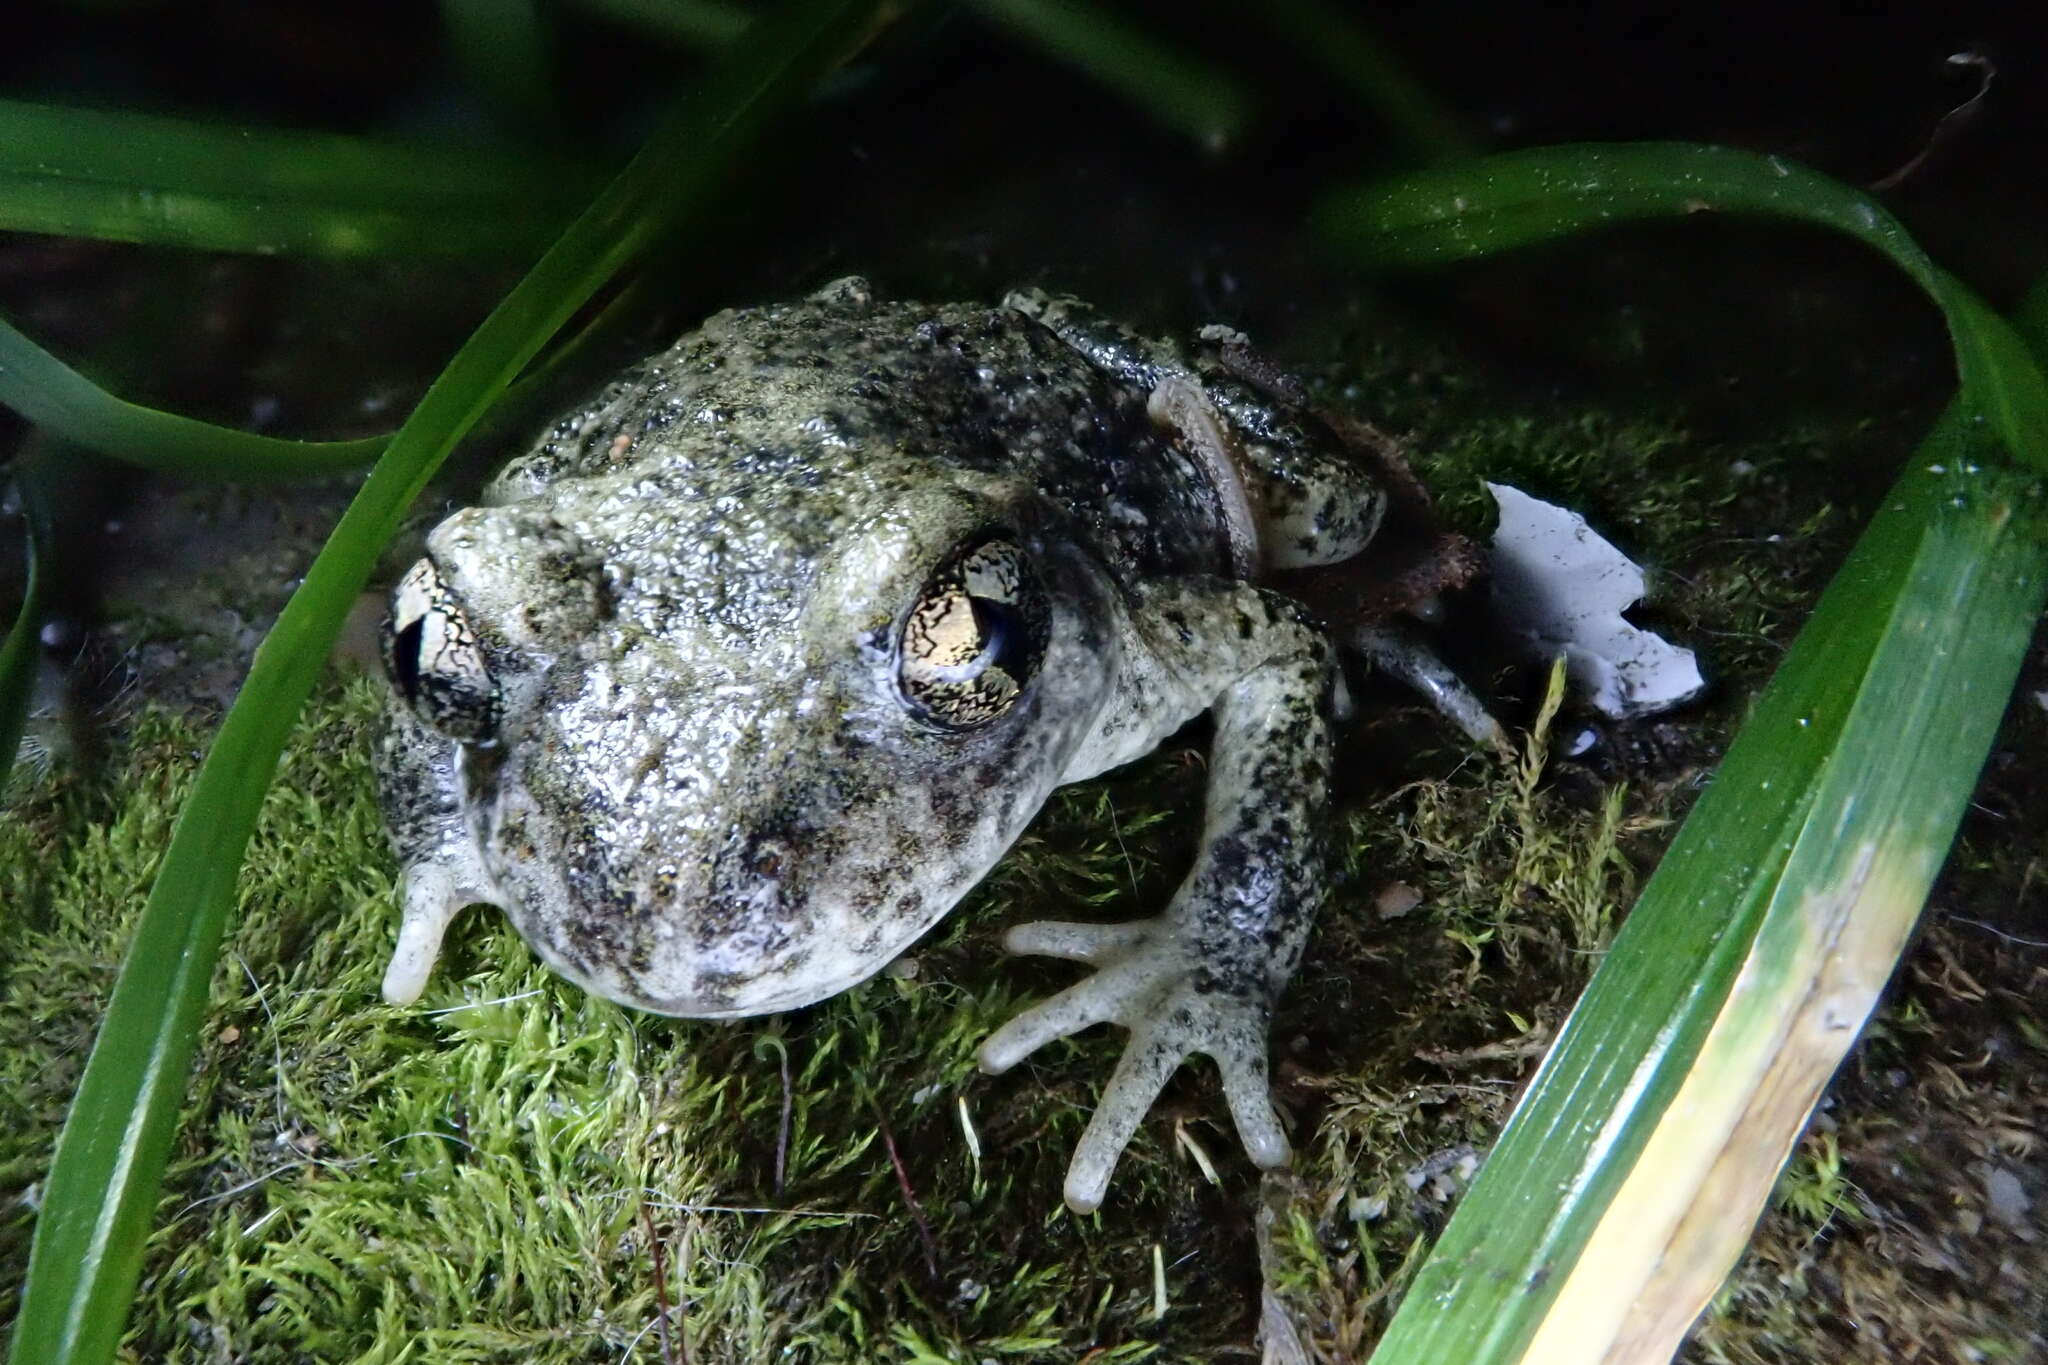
x,y
654,1248
769,1040
924,1227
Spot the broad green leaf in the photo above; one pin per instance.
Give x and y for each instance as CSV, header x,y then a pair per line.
x,y
103,1184
1630,1173
707,23
1494,203
1341,40
64,402
1757,948
175,182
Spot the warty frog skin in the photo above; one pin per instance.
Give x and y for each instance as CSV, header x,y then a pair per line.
x,y
755,664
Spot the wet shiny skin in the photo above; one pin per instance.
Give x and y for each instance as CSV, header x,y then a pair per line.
x,y
757,662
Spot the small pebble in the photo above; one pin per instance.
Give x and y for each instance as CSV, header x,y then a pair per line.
x,y
1396,899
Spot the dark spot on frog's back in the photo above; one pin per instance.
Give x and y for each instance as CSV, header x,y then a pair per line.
x,y
513,839
911,848
602,931
1229,856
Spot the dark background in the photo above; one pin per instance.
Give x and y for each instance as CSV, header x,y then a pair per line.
x,y
959,158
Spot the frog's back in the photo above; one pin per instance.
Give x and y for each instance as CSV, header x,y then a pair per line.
x,y
768,412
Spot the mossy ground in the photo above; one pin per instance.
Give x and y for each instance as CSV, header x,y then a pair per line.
x,y
513,1170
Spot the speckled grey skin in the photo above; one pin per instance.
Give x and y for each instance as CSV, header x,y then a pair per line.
x,y
757,663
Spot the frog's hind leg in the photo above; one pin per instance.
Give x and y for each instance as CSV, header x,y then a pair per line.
x,y
1400,656
1289,491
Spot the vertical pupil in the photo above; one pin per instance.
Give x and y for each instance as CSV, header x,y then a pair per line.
x,y
973,637
992,621
405,657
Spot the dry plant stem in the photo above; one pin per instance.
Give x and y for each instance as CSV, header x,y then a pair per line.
x,y
655,1251
924,1227
781,1049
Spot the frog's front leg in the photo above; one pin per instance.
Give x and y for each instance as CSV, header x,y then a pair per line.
x,y
1203,976
419,774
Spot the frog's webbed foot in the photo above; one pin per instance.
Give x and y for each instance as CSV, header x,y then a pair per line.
x,y
1149,978
1203,976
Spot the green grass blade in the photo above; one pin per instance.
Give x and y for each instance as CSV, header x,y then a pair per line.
x,y
1179,90
1629,1175
172,182
59,399
104,1182
1498,202
64,402
18,653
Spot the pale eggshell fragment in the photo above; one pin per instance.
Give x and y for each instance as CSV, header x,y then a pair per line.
x,y
1559,588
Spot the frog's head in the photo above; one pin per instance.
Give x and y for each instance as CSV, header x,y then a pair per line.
x,y
719,797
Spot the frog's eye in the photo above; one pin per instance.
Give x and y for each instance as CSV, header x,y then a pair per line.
x,y
433,659
973,641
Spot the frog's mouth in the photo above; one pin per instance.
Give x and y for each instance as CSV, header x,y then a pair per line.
x,y
777,962
779,908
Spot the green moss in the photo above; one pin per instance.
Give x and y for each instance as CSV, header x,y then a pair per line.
x,y
478,1177
485,1176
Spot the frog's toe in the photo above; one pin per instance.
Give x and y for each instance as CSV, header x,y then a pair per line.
x,y
432,893
1412,663
1157,1047
1101,998
1145,979
1091,943
430,900
1250,1096
1140,1075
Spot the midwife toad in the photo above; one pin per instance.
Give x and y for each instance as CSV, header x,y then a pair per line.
x,y
756,664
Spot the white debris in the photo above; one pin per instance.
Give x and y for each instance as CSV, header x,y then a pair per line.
x,y
2007,1198
1562,589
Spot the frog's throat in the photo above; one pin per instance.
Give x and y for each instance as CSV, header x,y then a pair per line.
x,y
1179,406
